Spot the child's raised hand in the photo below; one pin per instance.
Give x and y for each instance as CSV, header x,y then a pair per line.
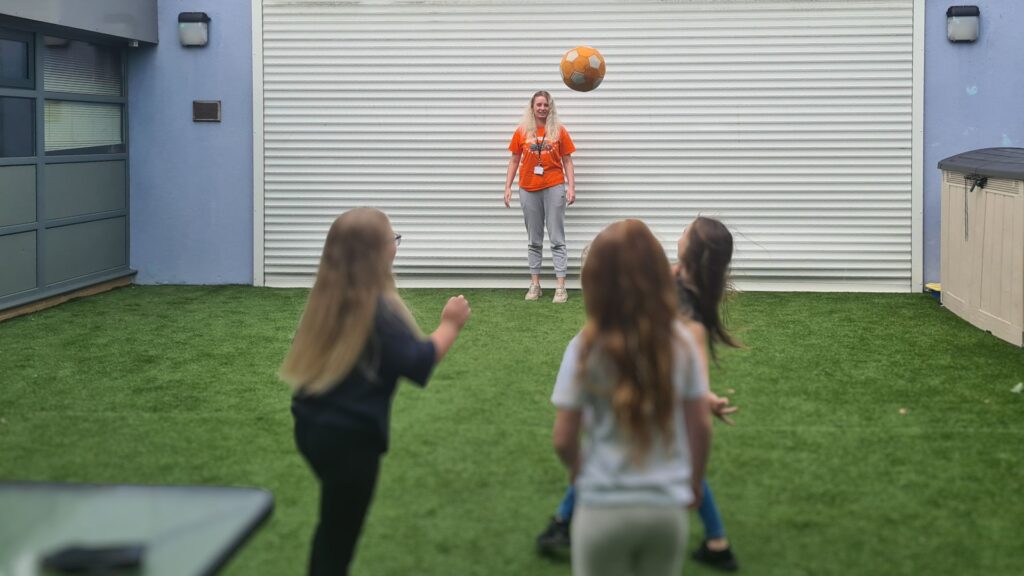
x,y
456,311
720,408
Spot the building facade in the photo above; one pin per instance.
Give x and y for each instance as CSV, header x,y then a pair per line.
x,y
64,201
812,128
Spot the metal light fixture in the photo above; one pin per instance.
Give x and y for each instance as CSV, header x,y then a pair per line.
x,y
193,28
962,23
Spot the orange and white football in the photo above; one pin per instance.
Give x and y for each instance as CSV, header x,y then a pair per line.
x,y
582,68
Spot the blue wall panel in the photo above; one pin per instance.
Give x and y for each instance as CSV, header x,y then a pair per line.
x,y
972,98
191,183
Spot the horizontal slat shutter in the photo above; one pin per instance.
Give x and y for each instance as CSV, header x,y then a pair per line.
x,y
791,121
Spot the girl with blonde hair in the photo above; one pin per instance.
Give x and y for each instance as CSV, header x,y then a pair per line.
x,y
633,384
355,340
542,155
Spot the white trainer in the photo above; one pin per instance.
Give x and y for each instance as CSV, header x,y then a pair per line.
x,y
561,296
534,292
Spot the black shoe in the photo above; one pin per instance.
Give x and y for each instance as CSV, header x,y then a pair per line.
x,y
720,560
554,538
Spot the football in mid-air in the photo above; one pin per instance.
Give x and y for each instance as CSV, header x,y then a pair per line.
x,y
582,68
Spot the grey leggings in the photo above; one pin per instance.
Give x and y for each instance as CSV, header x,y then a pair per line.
x,y
628,540
540,208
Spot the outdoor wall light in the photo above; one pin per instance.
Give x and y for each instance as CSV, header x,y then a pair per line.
x,y
962,23
193,28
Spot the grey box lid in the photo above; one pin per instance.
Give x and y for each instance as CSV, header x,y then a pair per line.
x,y
991,162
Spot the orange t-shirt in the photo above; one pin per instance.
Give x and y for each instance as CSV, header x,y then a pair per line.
x,y
540,149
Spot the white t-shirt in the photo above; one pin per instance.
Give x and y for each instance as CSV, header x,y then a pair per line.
x,y
608,475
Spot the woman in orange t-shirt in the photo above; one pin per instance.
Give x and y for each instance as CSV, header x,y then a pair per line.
x,y
541,152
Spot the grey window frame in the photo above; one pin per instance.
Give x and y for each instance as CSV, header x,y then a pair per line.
x,y
96,99
45,289
24,95
27,38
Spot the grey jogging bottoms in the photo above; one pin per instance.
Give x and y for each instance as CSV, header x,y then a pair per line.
x,y
545,208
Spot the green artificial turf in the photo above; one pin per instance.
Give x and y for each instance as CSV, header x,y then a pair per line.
x,y
822,474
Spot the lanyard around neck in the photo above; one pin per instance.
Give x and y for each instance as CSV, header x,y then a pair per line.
x,y
538,145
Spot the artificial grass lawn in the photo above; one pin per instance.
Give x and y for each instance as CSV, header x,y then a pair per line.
x,y
822,475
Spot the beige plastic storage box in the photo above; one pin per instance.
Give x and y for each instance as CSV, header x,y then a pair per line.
x,y
983,239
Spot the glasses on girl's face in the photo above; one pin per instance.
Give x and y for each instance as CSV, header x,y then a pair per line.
x,y
398,240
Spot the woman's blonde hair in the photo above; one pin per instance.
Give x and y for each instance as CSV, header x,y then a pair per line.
x,y
354,275
629,296
552,126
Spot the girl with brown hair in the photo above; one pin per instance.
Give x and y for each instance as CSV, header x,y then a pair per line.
x,y
701,275
633,384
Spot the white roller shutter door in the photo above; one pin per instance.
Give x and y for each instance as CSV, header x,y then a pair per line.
x,y
791,121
